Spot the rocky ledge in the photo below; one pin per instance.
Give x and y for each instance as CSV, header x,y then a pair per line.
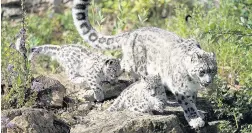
x,y
64,111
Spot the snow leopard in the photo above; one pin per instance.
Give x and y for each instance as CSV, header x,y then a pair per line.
x,y
183,65
82,65
143,96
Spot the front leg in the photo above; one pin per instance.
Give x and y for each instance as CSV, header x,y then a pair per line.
x,y
159,103
135,76
191,113
159,106
194,98
76,78
95,86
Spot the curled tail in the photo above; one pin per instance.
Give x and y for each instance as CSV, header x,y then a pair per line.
x,y
49,50
116,106
88,33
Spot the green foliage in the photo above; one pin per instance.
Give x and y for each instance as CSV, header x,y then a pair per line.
x,y
233,105
56,29
224,29
15,69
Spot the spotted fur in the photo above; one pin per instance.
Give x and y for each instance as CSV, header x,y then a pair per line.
x,y
143,96
183,66
82,65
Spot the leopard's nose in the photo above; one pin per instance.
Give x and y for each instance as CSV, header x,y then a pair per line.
x,y
208,82
153,92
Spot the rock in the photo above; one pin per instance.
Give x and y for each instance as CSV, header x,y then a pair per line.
x,y
82,91
29,120
203,106
85,106
11,9
126,122
4,2
68,117
56,6
210,127
50,91
95,119
73,108
13,13
104,105
110,91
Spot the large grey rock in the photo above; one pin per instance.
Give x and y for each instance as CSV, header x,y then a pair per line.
x,y
96,120
83,92
50,91
27,120
9,1
203,106
127,122
11,12
11,9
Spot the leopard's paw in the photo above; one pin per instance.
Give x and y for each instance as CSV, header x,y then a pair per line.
x,y
196,123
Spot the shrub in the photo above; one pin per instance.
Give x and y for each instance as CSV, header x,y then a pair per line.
x,y
226,30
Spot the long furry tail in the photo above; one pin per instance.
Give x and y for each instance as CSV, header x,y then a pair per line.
x,y
88,33
49,50
115,106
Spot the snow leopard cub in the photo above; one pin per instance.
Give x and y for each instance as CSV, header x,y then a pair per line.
x,y
143,96
82,65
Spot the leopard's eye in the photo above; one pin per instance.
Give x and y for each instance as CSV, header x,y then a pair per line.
x,y
198,46
211,71
202,73
214,70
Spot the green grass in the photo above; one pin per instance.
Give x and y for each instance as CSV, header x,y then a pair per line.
x,y
226,30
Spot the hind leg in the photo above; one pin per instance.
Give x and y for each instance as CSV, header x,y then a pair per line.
x,y
142,71
135,77
142,108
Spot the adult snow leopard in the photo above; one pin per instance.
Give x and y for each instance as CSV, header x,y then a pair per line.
x,y
82,65
183,66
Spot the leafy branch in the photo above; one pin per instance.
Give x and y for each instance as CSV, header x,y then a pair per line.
x,y
237,33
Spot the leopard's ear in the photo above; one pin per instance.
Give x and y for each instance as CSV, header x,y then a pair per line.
x,y
158,77
119,59
108,62
212,54
195,57
144,77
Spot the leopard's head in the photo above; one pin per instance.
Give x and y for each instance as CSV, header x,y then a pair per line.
x,y
201,67
153,82
112,69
